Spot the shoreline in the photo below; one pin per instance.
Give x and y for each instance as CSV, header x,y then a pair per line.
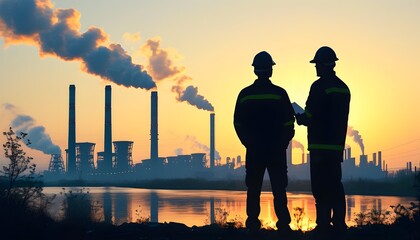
x,y
354,187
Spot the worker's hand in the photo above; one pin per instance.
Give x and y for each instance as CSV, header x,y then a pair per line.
x,y
300,119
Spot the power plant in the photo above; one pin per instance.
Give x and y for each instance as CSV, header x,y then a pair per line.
x,y
119,164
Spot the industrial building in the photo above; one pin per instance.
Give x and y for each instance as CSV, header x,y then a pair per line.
x,y
115,162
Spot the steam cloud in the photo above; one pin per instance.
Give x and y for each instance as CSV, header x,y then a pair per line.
x,y
57,32
197,145
161,66
351,132
297,144
39,139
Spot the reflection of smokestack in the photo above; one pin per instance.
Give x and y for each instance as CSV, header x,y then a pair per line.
x,y
154,127
154,207
303,158
108,131
212,144
71,145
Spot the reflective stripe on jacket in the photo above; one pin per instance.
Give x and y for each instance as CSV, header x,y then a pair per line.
x,y
264,116
326,111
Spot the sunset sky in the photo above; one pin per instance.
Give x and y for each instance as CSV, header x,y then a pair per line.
x,y
207,45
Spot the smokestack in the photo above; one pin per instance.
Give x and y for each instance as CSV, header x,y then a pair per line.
x,y
348,153
303,158
108,131
154,127
374,159
380,160
71,144
212,144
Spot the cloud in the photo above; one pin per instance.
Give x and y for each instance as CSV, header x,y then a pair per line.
x,y
132,37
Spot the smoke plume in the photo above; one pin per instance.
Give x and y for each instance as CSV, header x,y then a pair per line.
x,y
199,146
351,132
297,144
37,136
57,32
161,66
179,151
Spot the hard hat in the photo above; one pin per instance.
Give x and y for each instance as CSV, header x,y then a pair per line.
x,y
263,60
324,55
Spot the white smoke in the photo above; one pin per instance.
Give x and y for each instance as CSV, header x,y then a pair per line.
x,y
37,136
351,132
201,147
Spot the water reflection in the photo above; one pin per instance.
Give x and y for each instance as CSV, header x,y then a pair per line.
x,y
202,207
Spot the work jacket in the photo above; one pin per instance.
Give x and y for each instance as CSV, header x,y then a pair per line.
x,y
326,114
263,117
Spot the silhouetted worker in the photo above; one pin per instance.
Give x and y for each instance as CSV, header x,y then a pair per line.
x,y
326,115
264,122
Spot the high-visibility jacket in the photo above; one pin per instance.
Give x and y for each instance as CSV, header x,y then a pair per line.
x,y
326,114
264,116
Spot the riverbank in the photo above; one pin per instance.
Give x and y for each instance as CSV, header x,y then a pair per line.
x,y
386,187
177,231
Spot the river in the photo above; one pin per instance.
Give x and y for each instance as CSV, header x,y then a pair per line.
x,y
200,207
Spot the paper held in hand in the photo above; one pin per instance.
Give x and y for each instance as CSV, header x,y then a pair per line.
x,y
298,109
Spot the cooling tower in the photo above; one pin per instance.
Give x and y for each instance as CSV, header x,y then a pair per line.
x,y
84,157
123,155
108,131
71,145
154,127
212,136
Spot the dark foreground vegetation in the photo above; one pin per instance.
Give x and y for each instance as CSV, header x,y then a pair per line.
x,y
23,214
38,227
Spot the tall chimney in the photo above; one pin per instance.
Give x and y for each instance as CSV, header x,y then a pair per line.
x,y
374,159
71,144
154,127
303,158
108,131
380,160
212,144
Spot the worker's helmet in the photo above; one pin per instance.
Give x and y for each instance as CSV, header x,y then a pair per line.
x,y
325,55
263,61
